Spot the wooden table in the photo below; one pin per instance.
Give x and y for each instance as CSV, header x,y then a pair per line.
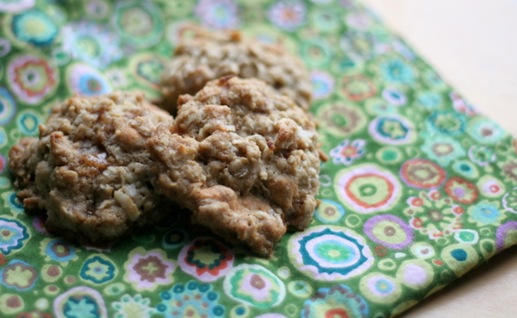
x,y
473,45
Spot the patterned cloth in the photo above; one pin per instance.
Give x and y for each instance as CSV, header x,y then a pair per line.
x,y
419,187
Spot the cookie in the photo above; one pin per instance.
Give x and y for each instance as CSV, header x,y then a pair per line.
x,y
243,158
90,170
210,55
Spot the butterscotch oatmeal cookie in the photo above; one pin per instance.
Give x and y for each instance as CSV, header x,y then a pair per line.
x,y
210,55
89,169
243,158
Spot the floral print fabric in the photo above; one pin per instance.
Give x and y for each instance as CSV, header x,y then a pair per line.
x,y
419,188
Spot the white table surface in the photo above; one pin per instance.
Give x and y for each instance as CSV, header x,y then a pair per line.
x,y
473,45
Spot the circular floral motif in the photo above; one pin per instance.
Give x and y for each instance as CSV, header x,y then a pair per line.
x,y
316,52
206,259
322,84
415,274
254,285
98,270
387,264
147,68
395,70
58,250
190,300
377,106
18,275
356,87
485,213
133,306
325,20
84,300
460,257
389,231
434,215
33,27
32,78
117,77
505,235
300,289
287,15
329,212
491,187
13,234
241,311
329,253
11,202
394,96
139,24
51,273
92,43
446,122
422,250
461,190
7,106
348,151
353,220
51,290
481,155
392,130
11,304
367,188
485,131
146,270
467,236
341,119
174,239
422,174
27,121
59,56
85,80
466,169
114,289
337,301
380,288
442,149
389,155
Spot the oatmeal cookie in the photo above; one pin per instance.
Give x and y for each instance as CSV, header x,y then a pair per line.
x,y
210,55
89,169
243,158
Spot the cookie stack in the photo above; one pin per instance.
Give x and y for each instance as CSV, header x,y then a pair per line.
x,y
240,152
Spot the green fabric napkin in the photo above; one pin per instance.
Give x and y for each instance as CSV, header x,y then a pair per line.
x,y
419,188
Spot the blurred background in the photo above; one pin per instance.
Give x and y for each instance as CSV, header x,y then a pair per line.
x,y
473,45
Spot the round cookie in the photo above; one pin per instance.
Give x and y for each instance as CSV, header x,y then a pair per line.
x,y
209,55
89,169
243,158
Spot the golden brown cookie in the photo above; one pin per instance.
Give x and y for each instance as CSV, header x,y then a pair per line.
x,y
243,158
209,55
89,168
